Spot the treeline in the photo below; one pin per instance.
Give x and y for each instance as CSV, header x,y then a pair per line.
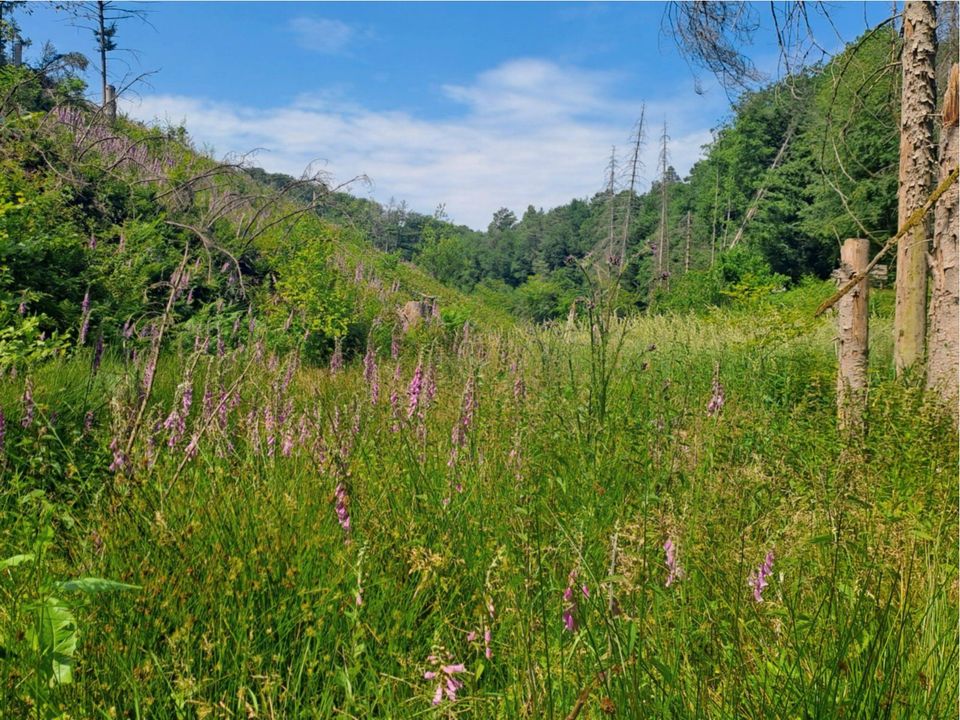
x,y
799,166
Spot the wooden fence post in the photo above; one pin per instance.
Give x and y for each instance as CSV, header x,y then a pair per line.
x,y
852,337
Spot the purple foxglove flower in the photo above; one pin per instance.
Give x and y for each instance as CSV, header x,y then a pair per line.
x,y
207,403
97,355
716,400
448,685
28,405
3,430
84,323
371,374
759,578
88,422
430,391
570,605
191,450
269,427
119,458
674,571
343,512
413,392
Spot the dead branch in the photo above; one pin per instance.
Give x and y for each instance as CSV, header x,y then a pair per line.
x,y
916,217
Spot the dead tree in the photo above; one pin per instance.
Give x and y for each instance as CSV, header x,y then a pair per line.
x,y
101,17
852,339
917,162
663,248
762,190
943,345
631,188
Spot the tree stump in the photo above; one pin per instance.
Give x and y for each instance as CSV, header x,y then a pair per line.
x,y
852,340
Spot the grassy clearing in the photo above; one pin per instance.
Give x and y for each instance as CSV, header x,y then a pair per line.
x,y
474,545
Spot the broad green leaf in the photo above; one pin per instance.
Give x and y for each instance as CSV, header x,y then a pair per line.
x,y
94,585
55,637
15,560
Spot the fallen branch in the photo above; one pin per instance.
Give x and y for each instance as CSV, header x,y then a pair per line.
x,y
915,219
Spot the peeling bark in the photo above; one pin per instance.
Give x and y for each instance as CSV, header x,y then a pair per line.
x,y
943,344
852,340
917,163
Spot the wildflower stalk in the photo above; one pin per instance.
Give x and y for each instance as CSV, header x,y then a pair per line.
x,y
156,343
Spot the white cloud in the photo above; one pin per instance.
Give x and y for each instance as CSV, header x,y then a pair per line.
x,y
321,34
531,133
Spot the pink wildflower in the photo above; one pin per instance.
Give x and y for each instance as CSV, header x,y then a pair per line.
x,y
413,392
343,513
570,604
85,318
28,405
371,374
119,458
448,685
716,401
758,579
675,572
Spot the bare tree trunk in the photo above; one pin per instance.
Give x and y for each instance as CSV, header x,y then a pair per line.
x,y
110,104
762,190
663,256
101,20
852,340
612,193
943,345
634,168
716,203
726,226
917,162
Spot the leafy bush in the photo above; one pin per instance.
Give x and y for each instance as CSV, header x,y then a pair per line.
x,y
741,275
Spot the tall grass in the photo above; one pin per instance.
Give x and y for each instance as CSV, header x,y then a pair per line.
x,y
256,602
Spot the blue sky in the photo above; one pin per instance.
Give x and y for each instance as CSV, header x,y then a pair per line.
x,y
474,105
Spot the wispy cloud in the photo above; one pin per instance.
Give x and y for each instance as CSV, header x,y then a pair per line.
x,y
530,133
322,35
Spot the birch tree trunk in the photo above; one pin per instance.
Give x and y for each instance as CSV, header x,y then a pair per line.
x,y
917,162
943,346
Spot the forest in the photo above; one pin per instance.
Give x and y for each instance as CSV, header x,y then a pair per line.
x,y
272,448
